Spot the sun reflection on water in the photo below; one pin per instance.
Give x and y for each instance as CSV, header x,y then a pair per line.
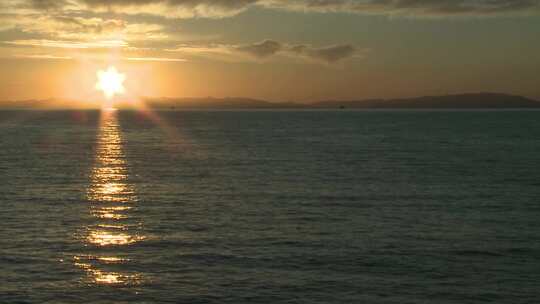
x,y
107,238
112,198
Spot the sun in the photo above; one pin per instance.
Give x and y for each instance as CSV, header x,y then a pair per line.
x,y
110,82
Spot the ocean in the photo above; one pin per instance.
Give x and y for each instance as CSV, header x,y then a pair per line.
x,y
270,206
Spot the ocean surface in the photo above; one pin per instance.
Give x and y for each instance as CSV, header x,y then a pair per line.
x,y
270,207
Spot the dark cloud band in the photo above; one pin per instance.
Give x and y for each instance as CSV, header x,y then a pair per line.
x,y
223,8
328,54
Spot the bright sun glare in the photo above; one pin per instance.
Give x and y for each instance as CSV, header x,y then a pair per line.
x,y
110,82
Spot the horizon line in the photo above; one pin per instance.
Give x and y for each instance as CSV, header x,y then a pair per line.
x,y
277,102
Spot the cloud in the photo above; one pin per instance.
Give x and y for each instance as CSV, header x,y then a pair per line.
x,y
211,48
65,24
77,23
269,48
155,59
66,44
47,4
326,54
96,24
228,8
62,57
261,50
329,54
43,56
168,8
409,7
88,25
69,31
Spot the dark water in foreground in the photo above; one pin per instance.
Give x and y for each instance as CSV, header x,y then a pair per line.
x,y
270,207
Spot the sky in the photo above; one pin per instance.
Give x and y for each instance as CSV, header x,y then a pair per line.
x,y
277,50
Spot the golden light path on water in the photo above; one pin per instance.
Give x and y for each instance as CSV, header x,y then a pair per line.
x,y
111,198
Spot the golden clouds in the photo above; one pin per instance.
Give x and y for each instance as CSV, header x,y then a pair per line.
x,y
228,8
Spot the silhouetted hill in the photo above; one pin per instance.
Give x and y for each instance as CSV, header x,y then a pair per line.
x,y
460,101
50,103
217,103
23,104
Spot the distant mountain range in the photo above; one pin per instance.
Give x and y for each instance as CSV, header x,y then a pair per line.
x,y
459,101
